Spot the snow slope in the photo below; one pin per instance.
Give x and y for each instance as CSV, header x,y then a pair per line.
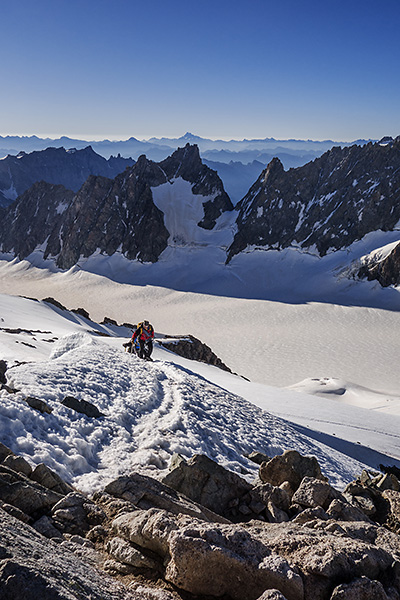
x,y
151,410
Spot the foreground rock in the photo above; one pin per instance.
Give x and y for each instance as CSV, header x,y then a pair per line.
x,y
144,492
207,483
243,561
33,568
299,540
290,467
205,559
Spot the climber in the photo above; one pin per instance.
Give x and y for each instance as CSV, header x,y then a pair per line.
x,y
143,334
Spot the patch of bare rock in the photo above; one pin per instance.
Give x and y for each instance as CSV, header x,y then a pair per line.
x,y
200,533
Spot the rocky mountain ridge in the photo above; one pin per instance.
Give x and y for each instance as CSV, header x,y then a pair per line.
x,y
69,168
328,203
324,206
109,214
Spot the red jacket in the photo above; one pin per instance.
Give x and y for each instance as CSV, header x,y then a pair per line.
x,y
143,333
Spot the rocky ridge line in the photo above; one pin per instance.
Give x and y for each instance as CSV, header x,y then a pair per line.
x,y
327,203
109,215
288,535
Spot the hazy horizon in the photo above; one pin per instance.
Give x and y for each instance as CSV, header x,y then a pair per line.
x,y
100,138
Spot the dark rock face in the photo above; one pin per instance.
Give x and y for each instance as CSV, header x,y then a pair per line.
x,y
69,168
329,203
115,214
33,217
109,215
190,347
387,271
3,369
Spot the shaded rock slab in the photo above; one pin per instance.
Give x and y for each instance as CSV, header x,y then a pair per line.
x,y
18,463
206,482
145,492
290,467
34,568
30,497
50,479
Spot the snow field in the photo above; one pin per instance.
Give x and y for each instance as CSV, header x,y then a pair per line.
x,y
275,343
151,411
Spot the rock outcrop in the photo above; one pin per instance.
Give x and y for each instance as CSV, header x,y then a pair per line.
x,y
298,540
386,270
190,347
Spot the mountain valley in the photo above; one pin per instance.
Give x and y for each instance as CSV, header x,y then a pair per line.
x,y
140,478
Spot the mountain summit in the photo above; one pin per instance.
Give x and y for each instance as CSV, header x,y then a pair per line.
x,y
176,213
328,203
126,214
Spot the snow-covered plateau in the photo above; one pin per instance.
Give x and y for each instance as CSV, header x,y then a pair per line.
x,y
172,405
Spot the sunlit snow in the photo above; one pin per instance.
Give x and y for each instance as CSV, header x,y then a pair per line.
x,y
150,410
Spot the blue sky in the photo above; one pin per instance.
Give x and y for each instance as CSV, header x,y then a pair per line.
x,y
218,68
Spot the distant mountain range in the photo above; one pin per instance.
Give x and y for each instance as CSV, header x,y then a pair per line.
x,y
154,211
222,155
110,215
159,148
70,168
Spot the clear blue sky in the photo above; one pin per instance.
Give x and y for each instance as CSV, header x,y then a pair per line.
x,y
219,68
